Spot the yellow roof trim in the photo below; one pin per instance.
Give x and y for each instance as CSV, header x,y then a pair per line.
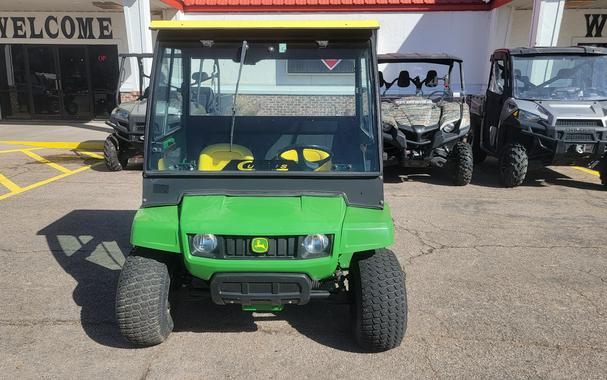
x,y
264,24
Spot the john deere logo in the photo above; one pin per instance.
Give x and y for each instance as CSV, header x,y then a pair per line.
x,y
259,245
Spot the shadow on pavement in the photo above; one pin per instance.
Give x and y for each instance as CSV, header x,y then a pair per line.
x,y
429,175
487,174
91,246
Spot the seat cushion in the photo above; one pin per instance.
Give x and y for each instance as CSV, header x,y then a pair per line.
x,y
216,157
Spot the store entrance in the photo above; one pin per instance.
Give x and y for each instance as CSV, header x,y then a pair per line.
x,y
57,81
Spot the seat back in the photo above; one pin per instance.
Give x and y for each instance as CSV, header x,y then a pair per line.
x,y
215,157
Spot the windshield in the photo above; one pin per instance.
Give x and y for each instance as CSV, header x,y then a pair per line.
x,y
560,77
421,79
299,107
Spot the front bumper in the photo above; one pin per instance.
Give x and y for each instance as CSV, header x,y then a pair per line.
x,y
563,146
131,132
272,289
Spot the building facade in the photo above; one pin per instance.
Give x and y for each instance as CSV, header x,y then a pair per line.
x,y
60,59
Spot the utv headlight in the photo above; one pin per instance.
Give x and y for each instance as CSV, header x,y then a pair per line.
x,y
448,127
316,243
121,115
204,243
526,116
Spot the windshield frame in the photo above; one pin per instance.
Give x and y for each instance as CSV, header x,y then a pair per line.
x,y
374,105
514,87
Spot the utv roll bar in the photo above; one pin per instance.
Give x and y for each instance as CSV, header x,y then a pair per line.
x,y
123,57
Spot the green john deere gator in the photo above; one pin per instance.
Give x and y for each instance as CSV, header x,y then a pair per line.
x,y
262,183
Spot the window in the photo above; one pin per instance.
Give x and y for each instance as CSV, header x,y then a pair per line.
x,y
279,126
498,77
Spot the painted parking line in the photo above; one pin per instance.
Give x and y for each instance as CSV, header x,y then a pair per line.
x,y
589,171
77,148
17,150
69,145
10,185
43,160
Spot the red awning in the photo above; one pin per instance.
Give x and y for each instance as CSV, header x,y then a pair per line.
x,y
225,6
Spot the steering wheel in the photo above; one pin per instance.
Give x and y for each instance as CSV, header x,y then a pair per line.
x,y
442,94
306,157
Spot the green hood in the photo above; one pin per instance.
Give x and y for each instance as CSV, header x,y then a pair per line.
x,y
266,216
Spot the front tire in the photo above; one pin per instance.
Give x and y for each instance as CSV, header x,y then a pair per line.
x,y
603,171
513,165
115,160
380,300
477,152
463,163
142,301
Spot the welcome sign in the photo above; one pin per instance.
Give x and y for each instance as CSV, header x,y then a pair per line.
x,y
55,27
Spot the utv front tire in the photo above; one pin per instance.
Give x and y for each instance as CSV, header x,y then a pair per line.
x,y
478,153
603,171
114,159
513,165
463,163
142,301
380,300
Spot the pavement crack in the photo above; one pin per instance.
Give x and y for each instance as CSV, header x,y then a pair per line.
x,y
53,322
514,342
427,357
161,349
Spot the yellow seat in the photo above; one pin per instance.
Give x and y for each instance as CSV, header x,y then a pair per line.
x,y
310,155
217,156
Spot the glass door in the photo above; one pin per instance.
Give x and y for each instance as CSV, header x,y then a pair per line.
x,y
44,81
75,86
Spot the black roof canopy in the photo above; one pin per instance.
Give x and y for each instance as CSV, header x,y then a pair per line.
x,y
438,58
574,50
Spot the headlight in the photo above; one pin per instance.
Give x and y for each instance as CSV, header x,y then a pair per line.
x,y
204,243
121,114
526,116
448,127
316,243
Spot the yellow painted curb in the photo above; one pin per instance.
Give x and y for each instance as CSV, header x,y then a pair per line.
x,y
589,171
88,145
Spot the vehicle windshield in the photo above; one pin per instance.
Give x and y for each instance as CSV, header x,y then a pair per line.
x,y
560,77
300,106
422,79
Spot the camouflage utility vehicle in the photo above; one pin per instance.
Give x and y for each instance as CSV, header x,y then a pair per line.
x,y
425,119
546,106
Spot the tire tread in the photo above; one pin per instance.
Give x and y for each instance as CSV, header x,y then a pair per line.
x,y
142,301
381,301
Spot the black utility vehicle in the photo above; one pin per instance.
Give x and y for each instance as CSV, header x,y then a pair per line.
x,y
425,118
127,119
545,105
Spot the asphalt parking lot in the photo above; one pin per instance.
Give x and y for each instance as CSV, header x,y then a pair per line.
x,y
502,283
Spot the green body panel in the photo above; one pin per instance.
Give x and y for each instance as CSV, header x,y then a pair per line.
x,y
157,228
355,229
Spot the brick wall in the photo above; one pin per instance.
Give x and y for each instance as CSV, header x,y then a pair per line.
x,y
296,105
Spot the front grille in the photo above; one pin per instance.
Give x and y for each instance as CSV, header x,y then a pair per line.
x,y
240,246
579,123
578,137
279,247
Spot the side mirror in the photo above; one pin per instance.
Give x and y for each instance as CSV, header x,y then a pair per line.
x,y
146,93
382,82
404,80
431,79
